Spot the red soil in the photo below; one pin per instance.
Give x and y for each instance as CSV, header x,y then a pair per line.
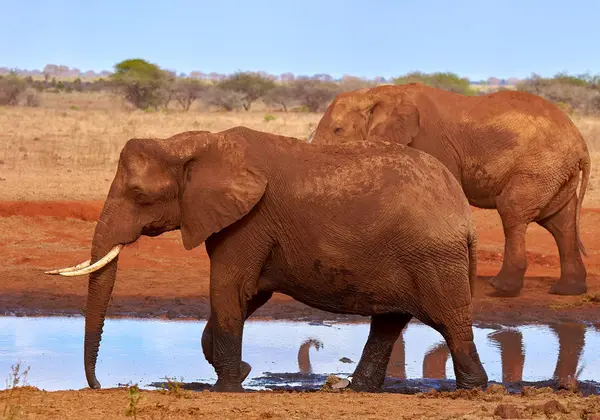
x,y
158,277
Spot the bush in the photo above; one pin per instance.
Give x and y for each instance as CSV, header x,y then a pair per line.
x,y
11,89
31,98
313,94
226,100
251,86
143,84
446,81
281,96
571,93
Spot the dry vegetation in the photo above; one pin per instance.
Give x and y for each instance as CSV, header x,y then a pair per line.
x,y
68,149
69,146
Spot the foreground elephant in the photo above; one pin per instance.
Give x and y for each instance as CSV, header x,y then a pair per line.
x,y
510,151
370,229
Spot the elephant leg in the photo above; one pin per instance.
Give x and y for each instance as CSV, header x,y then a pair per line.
x,y
207,335
456,327
519,204
509,281
562,225
385,330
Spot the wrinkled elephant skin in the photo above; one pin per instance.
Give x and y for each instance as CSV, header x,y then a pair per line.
x,y
370,229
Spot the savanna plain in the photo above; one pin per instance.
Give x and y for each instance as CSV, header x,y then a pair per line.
x,y
56,164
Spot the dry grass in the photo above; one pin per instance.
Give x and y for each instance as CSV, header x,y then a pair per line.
x,y
69,147
72,153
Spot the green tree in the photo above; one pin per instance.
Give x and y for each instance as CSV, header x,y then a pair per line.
x,y
446,81
144,84
252,86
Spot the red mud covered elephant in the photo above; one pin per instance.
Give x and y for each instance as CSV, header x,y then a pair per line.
x,y
373,229
511,151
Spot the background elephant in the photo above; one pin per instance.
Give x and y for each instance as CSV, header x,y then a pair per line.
x,y
378,230
510,151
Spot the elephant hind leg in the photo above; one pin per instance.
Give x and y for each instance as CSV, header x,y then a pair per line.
x,y
455,325
385,330
519,204
207,335
562,226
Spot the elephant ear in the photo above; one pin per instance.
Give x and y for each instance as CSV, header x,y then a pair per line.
x,y
221,184
393,122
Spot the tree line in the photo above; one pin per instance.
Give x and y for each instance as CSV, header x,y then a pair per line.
x,y
147,86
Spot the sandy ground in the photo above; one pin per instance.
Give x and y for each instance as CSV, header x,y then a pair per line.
x,y
31,403
159,278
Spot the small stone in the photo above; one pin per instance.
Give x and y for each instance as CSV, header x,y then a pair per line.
x,y
346,360
506,411
343,383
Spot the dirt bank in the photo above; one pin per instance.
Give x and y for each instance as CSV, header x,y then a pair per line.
x,y
159,278
114,403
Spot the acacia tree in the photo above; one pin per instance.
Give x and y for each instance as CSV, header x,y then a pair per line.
x,y
313,94
144,84
251,85
187,90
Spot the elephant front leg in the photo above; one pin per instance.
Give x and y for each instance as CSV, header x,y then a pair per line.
x,y
207,336
370,372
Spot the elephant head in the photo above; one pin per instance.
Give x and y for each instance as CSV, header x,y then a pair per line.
x,y
373,114
197,182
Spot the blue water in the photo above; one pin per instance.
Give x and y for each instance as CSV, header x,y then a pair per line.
x,y
145,351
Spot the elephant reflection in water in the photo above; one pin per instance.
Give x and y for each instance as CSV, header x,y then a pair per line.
x,y
434,362
571,340
304,365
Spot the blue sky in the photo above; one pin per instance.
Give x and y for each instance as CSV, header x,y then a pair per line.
x,y
473,38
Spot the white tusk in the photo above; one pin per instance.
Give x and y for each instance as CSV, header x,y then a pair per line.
x,y
74,268
111,255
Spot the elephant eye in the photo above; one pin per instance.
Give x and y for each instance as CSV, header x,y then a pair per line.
x,y
140,196
338,131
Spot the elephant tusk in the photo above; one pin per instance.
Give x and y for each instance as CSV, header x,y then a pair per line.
x,y
111,255
74,268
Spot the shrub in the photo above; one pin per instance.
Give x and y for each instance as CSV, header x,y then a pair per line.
x,y
269,117
251,86
11,88
226,100
571,93
313,94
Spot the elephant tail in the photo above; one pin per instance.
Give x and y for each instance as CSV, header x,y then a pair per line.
x,y
585,176
472,246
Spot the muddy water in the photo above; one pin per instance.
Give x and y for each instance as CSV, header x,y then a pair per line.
x,y
287,354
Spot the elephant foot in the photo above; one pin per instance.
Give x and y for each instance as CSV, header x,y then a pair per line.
x,y
364,385
505,287
568,288
472,382
245,369
220,386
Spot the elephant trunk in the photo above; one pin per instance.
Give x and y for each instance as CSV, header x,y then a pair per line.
x,y
100,287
